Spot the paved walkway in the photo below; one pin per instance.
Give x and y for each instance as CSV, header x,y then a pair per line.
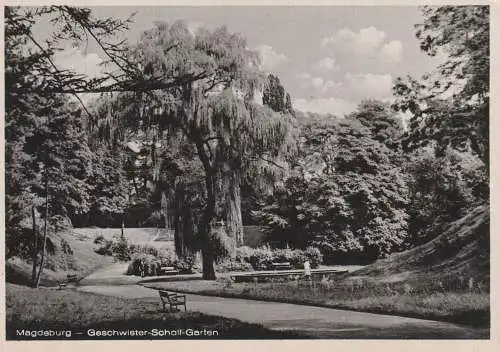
x,y
114,275
310,321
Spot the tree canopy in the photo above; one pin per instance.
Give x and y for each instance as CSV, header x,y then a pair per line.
x,y
450,106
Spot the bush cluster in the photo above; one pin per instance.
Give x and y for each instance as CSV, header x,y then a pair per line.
x,y
117,247
146,249
247,259
232,265
146,262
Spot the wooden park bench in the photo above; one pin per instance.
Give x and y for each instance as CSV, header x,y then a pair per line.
x,y
173,300
281,266
169,270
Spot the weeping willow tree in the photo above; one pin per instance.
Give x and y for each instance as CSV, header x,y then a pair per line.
x,y
219,117
230,130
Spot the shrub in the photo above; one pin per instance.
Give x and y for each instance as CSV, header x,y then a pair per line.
x,y
145,248
244,253
150,265
224,246
120,248
167,256
134,268
298,258
314,255
261,259
59,223
133,248
143,264
185,264
105,247
99,239
282,255
232,265
66,248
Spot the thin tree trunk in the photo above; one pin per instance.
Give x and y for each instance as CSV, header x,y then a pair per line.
x,y
179,233
34,253
135,186
165,210
44,243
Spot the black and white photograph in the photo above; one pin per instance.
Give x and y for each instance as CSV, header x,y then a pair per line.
x,y
247,172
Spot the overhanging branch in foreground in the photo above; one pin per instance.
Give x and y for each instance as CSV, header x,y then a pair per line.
x,y
127,86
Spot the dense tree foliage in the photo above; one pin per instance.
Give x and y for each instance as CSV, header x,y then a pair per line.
x,y
347,195
441,191
48,159
448,134
450,106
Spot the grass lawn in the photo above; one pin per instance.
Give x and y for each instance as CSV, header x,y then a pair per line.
x,y
462,307
35,309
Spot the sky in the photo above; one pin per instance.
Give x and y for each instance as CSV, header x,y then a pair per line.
x,y
328,58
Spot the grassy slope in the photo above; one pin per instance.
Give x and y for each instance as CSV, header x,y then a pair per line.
x,y
78,311
459,255
84,260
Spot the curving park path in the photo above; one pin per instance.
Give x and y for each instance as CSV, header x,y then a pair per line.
x,y
311,322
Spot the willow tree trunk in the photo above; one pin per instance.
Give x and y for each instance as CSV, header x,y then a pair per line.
x,y
234,220
205,227
34,253
183,224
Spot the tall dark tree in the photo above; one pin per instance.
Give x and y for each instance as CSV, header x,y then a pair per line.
x,y
276,97
346,194
439,193
47,167
449,115
218,115
450,106
385,126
